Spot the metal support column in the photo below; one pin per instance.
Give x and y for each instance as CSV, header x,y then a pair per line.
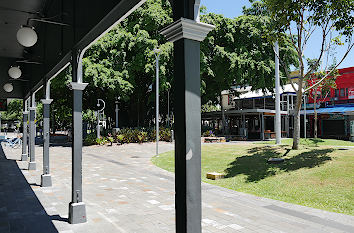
x,y
46,179
24,156
77,208
187,121
32,133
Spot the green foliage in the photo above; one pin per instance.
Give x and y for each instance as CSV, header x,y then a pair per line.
x,y
209,107
141,135
120,138
333,19
236,52
208,133
101,141
14,111
122,63
90,139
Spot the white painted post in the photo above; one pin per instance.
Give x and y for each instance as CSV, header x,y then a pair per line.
x,y
277,96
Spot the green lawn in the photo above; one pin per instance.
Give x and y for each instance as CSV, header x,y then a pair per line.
x,y
312,142
320,177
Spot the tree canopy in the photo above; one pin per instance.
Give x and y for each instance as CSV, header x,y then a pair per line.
x,y
333,19
122,63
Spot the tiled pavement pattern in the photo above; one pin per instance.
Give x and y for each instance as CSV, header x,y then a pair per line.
x,y
124,192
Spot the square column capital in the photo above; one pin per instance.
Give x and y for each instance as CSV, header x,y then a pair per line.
x,y
187,29
78,86
25,112
32,108
46,101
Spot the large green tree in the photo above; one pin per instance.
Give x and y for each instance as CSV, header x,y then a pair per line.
x,y
122,63
14,111
303,20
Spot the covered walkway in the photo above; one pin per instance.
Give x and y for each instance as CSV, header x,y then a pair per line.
x,y
126,193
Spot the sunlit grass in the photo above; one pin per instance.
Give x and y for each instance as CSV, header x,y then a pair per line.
x,y
312,142
320,177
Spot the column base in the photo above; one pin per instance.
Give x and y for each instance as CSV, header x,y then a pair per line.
x,y
32,166
77,213
46,180
24,157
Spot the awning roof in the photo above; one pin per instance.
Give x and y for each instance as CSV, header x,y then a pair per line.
x,y
85,21
259,93
343,110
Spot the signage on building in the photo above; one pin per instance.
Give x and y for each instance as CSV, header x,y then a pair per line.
x,y
351,93
3,104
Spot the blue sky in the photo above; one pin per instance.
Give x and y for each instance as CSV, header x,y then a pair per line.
x,y
233,8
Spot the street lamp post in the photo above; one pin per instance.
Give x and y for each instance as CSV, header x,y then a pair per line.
x,y
98,115
277,96
117,109
168,107
157,55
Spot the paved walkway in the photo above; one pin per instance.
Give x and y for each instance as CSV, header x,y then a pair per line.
x,y
124,192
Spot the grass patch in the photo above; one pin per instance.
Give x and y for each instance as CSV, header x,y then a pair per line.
x,y
321,177
314,142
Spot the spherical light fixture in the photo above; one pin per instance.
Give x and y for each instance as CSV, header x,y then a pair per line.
x,y
8,87
26,36
15,72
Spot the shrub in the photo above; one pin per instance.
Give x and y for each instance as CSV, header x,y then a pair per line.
x,y
141,135
120,138
208,133
165,134
101,141
90,139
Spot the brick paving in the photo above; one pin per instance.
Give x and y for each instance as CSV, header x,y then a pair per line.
x,y
124,192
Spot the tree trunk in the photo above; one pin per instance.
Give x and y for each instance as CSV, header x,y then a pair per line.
x,y
315,111
296,136
222,116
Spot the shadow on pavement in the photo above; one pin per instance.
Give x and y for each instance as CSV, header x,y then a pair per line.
x,y
20,209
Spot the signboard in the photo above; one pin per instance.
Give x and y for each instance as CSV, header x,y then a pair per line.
x,y
3,104
351,93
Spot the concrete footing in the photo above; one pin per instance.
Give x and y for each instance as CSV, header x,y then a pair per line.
x,y
46,180
77,213
32,166
24,157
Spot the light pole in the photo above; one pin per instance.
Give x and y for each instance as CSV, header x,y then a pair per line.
x,y
157,56
98,115
277,96
168,107
117,109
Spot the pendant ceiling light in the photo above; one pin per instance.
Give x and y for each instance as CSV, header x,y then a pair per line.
x,y
8,87
27,36
15,72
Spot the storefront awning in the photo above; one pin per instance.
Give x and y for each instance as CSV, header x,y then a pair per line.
x,y
344,110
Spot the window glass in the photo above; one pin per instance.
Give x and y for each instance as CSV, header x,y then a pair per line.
x,y
342,92
336,93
